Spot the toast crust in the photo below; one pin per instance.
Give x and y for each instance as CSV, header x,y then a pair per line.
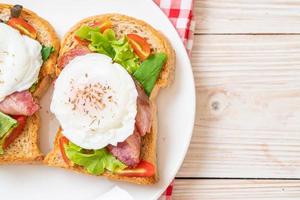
x,y
25,149
123,25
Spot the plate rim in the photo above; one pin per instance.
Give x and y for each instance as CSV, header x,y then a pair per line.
x,y
158,194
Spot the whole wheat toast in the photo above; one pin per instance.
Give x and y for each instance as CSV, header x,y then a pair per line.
x,y
122,25
25,149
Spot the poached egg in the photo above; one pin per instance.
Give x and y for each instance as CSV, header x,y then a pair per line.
x,y
94,100
20,61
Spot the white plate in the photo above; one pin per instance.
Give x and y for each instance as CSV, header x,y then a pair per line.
x,y
176,110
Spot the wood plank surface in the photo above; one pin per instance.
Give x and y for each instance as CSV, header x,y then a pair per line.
x,y
236,190
247,16
248,107
246,63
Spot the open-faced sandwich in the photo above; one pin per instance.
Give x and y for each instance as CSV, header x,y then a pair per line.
x,y
28,51
109,72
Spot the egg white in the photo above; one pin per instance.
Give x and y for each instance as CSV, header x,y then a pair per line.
x,y
20,61
85,123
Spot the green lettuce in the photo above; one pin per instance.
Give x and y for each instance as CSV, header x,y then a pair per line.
x,y
121,52
6,125
106,43
124,55
94,161
149,71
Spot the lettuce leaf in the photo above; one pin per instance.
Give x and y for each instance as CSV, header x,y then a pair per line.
x,y
121,52
124,55
7,124
94,161
149,71
84,32
106,43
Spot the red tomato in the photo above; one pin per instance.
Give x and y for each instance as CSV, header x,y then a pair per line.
x,y
143,169
16,132
81,41
21,25
139,45
62,141
102,25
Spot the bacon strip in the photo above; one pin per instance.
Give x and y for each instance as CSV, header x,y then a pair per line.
x,y
128,151
143,119
71,54
19,103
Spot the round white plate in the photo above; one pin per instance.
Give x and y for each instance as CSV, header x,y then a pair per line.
x,y
176,110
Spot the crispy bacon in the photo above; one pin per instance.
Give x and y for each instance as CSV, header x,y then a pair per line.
x,y
128,151
143,119
19,103
71,54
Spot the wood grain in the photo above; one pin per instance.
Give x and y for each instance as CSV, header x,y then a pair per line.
x,y
248,107
248,16
236,190
246,63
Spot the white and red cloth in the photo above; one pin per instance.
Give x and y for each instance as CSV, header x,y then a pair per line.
x,y
180,13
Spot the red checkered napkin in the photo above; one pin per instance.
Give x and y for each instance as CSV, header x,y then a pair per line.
x,y
180,12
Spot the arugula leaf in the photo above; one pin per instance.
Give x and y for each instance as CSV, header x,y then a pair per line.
x,y
46,52
94,161
106,43
149,71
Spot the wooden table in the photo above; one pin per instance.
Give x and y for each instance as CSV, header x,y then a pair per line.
x,y
246,141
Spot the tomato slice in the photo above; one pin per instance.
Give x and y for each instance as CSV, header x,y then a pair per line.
x,y
81,41
16,132
62,141
139,45
21,25
143,169
103,25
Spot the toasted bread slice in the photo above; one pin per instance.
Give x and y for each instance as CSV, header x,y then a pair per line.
x,y
25,149
124,25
